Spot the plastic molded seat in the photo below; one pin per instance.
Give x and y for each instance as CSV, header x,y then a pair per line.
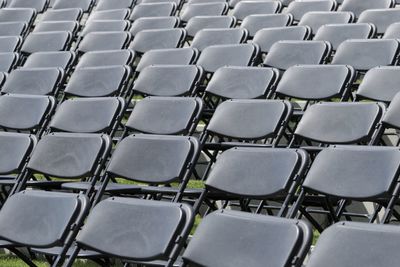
x,y
299,8
113,14
381,18
204,9
104,41
317,19
301,52
198,23
105,26
391,118
38,5
110,4
153,10
153,23
338,33
8,61
106,58
246,8
62,60
10,43
26,15
168,80
254,23
50,26
358,6
13,28
219,239
367,54
85,5
68,14
208,37
46,42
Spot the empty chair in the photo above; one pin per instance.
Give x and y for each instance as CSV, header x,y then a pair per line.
x,y
63,60
358,6
381,18
390,120
233,3
98,81
316,82
104,26
195,24
8,61
26,15
203,9
208,37
147,40
352,173
219,239
110,4
177,56
266,38
38,5
208,1
317,19
299,8
177,2
338,33
380,84
68,14
113,14
254,23
88,115
301,52
165,115
392,31
35,81
103,41
10,43
246,8
216,56
106,58
153,23
140,220
153,10
51,26
46,42
339,123
85,5
367,54
168,80
329,249
17,28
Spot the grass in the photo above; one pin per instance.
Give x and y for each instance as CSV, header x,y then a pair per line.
x,y
12,261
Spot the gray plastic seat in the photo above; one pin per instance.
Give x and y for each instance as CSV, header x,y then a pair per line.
x,y
233,3
88,115
358,238
104,41
175,56
265,38
38,5
195,24
62,60
338,33
208,37
68,14
391,118
84,5
147,40
301,52
51,26
26,15
203,9
106,58
8,61
246,8
392,31
13,28
358,6
153,10
10,43
219,239
381,18
98,81
208,1
153,23
254,23
339,123
165,115
178,3
317,19
104,26
46,42
299,8
110,4
367,54
380,84
216,56
242,82
113,14
316,82
168,80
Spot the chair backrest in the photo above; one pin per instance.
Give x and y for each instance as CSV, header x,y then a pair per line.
x,y
10,43
153,23
203,9
254,23
62,60
113,14
13,28
245,8
358,6
391,118
299,8
50,26
38,5
104,26
392,31
106,58
153,10
110,4
8,61
147,40
317,19
104,41
198,23
46,42
208,37
27,15
67,14
85,5
381,18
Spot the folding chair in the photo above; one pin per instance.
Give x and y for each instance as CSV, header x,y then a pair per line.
x,y
51,26
203,9
378,240
26,113
367,54
104,41
46,42
219,239
153,23
140,219
392,31
299,8
379,84
35,81
208,1
106,58
168,80
390,120
68,14
13,28
233,3
316,20
246,8
254,23
177,2
358,6
104,26
175,56
338,33
113,14
265,38
98,81
85,5
338,123
147,40
8,61
39,5
341,174
110,4
63,60
165,115
208,37
26,15
10,43
301,52
195,24
216,56
162,9
381,18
